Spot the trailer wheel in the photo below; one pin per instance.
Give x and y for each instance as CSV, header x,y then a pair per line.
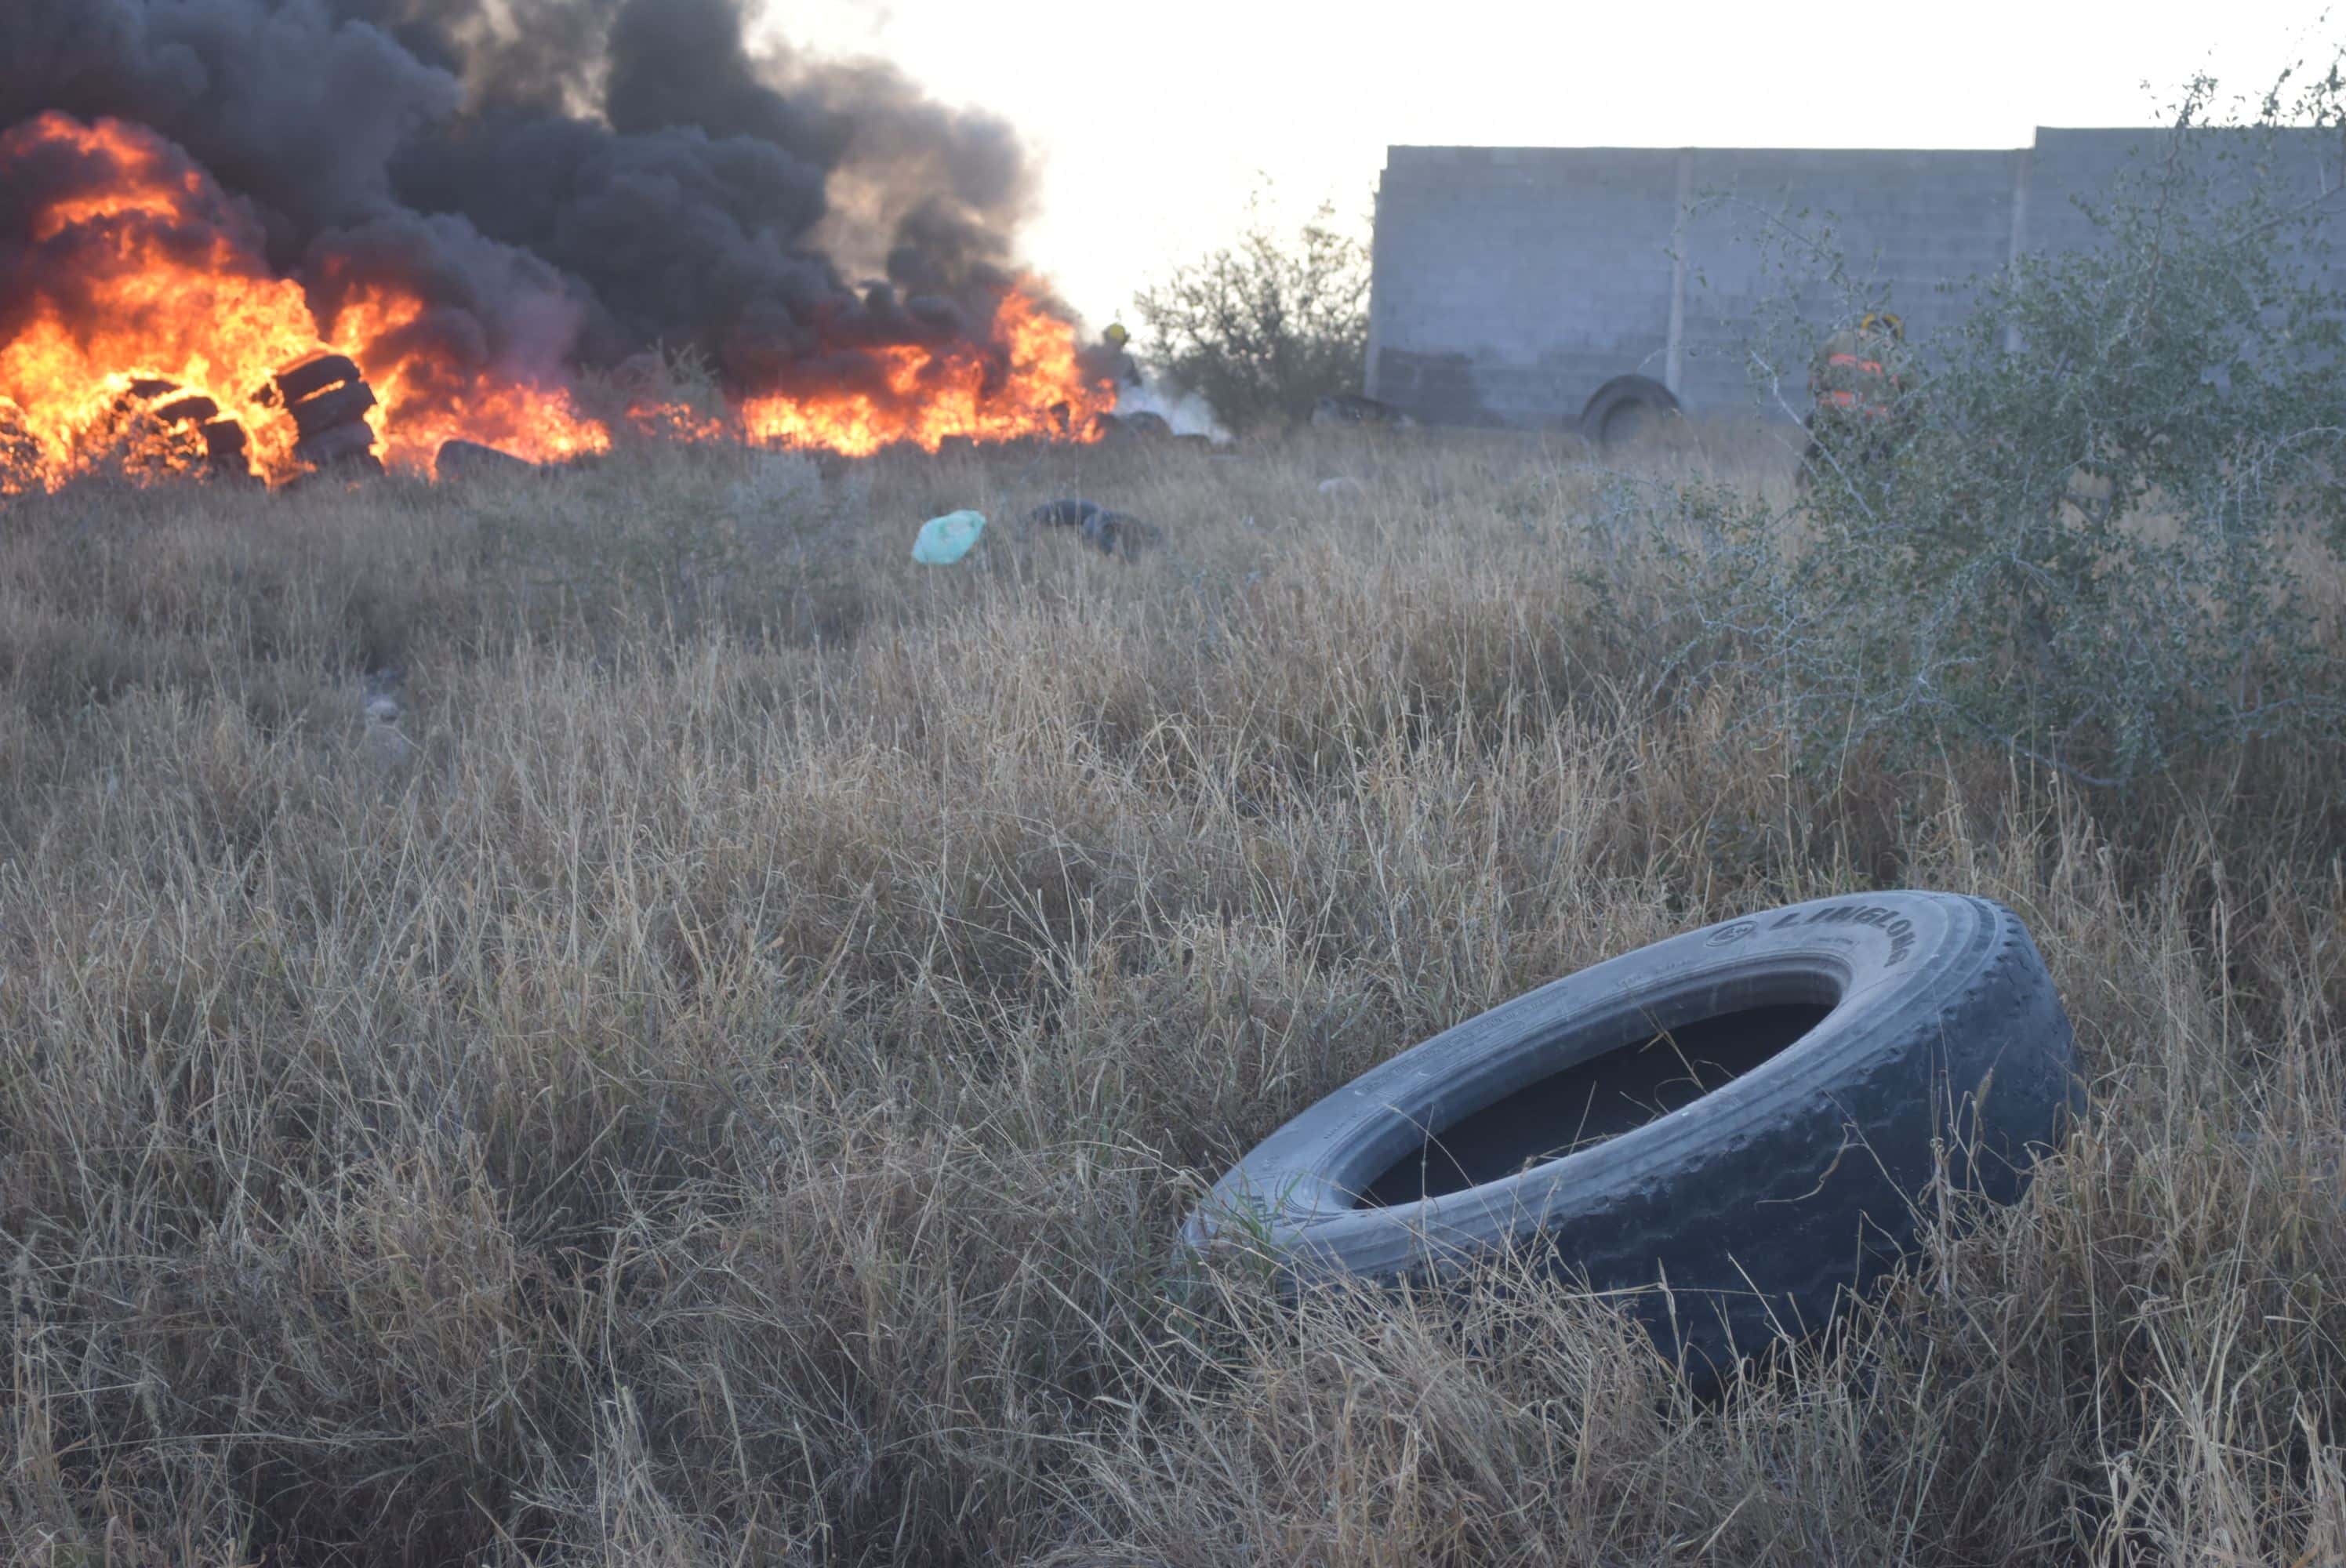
x,y
1625,408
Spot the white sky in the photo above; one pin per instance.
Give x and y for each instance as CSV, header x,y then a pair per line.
x,y
1150,119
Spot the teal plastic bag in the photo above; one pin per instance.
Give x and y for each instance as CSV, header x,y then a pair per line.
x,y
946,539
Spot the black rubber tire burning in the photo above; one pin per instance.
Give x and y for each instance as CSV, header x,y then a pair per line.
x,y
328,398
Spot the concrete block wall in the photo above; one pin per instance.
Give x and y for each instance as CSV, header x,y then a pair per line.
x,y
2067,167
1904,223
1509,283
1536,264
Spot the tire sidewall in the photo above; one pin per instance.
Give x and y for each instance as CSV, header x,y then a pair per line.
x,y
1900,961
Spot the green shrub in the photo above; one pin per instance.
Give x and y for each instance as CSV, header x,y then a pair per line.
x,y
2084,540
1262,328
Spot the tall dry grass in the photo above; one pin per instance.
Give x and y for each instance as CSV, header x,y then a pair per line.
x,y
716,1081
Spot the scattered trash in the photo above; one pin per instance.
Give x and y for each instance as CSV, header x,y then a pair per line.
x,y
1582,1123
946,539
1120,533
1064,513
1114,532
1342,484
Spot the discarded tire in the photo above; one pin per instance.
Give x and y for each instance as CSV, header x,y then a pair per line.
x,y
224,444
1625,408
1745,1114
347,443
168,403
331,408
1114,532
192,408
459,459
315,374
1139,424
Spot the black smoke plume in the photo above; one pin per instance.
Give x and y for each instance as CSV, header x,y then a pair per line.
x,y
566,181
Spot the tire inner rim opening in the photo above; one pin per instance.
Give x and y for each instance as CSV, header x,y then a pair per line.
x,y
1591,1101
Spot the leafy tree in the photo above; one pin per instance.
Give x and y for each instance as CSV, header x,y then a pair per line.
x,y
1263,326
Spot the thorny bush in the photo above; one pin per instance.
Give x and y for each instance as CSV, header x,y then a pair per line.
x,y
2086,538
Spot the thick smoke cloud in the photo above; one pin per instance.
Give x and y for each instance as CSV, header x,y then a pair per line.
x,y
563,179
280,103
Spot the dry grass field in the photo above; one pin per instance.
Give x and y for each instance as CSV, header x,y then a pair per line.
x,y
716,1078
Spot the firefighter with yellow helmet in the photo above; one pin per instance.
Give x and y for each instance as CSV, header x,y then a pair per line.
x,y
1121,364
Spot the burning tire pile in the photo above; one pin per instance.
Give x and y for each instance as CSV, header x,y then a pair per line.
x,y
180,412
154,426
328,400
20,454
177,287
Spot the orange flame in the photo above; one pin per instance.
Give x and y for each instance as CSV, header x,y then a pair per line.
x,y
152,296
926,395
167,285
675,422
422,402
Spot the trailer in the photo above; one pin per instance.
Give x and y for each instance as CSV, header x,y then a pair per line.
x,y
1591,289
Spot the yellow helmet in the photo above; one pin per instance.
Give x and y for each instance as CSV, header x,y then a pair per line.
x,y
1884,321
1116,335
